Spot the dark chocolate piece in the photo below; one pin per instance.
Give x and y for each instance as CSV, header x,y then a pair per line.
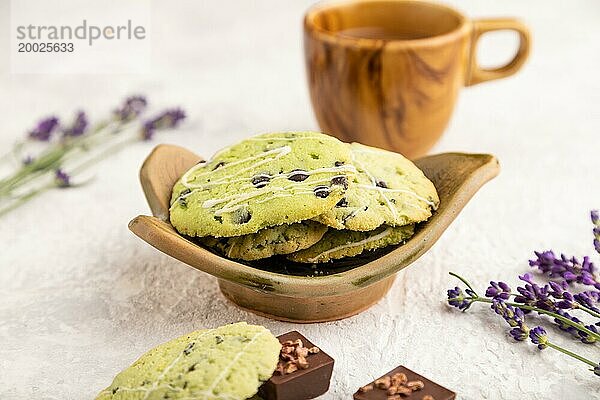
x,y
402,383
300,384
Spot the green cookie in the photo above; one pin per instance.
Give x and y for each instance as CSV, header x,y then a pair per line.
x,y
388,189
337,244
282,239
263,181
226,363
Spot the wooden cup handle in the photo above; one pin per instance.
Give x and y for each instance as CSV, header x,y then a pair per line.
x,y
476,74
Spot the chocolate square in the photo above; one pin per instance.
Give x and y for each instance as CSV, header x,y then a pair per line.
x,y
301,384
430,388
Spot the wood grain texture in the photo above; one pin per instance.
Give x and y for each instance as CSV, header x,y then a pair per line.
x,y
456,176
398,94
162,168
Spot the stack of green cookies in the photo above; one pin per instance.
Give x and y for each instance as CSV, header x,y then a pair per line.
x,y
305,195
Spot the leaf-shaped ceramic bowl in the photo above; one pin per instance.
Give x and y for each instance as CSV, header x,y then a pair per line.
x,y
346,291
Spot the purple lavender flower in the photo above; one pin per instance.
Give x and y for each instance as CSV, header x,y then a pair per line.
x,y
28,159
587,338
166,120
44,129
567,328
518,333
62,179
569,269
595,215
588,299
78,127
456,298
526,277
498,290
131,108
583,336
542,296
559,290
534,295
538,336
514,316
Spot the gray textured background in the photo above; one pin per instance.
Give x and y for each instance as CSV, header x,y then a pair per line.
x,y
81,297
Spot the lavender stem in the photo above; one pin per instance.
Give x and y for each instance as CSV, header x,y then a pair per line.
x,y
570,353
567,321
51,159
102,155
463,280
79,168
24,198
587,310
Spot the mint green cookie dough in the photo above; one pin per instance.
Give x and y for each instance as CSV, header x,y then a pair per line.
x,y
226,363
388,189
337,244
282,239
263,181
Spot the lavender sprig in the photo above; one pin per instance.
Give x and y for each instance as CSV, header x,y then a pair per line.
x,y
498,290
563,267
166,120
595,216
130,109
539,337
456,298
514,314
44,129
62,179
77,141
551,297
78,127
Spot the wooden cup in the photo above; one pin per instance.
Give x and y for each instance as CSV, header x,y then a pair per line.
x,y
387,72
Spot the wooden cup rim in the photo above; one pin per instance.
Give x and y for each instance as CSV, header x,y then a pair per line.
x,y
463,28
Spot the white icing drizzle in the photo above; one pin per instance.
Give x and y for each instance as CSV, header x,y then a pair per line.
x,y
206,394
232,202
170,366
374,182
155,385
382,191
285,194
278,152
352,244
233,361
285,175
